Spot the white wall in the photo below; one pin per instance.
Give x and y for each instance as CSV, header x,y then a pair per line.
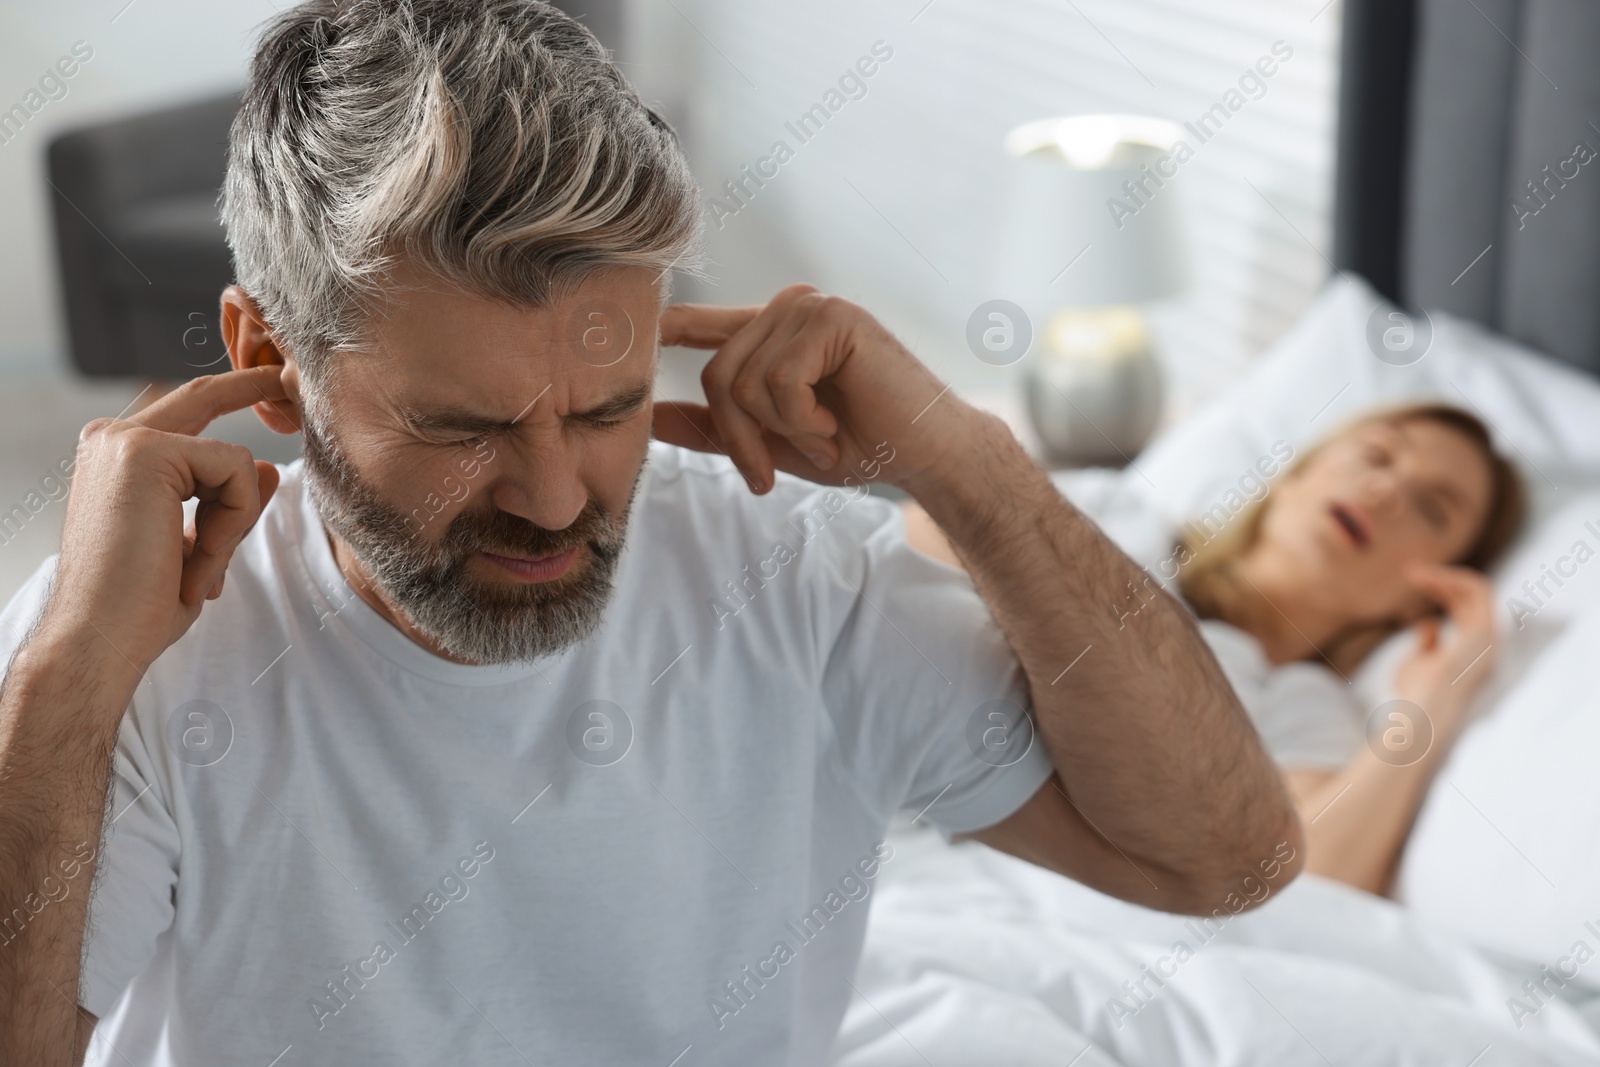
x,y
898,202
923,146
146,54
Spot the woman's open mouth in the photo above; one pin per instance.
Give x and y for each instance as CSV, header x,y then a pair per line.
x,y
1354,522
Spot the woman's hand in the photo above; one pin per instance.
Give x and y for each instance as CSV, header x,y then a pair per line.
x,y
1358,818
1448,666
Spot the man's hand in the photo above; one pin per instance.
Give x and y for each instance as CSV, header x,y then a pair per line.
x,y
130,581
809,384
130,573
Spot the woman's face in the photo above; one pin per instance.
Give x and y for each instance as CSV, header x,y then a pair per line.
x,y
1375,500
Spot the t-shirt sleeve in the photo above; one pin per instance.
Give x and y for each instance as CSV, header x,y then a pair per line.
x,y
929,702
135,873
134,900
22,610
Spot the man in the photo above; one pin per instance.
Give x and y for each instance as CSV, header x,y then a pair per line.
x,y
514,735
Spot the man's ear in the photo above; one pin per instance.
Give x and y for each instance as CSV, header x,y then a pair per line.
x,y
251,344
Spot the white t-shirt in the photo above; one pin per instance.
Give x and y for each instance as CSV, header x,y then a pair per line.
x,y
332,847
1306,715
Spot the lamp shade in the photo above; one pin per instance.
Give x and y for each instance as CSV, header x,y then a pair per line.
x,y
1092,216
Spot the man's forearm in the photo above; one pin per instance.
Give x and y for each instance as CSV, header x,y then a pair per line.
x,y
60,706
1141,724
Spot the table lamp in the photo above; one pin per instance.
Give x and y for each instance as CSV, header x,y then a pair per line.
x,y
1093,229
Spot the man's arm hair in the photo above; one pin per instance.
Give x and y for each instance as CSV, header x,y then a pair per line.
x,y
61,703
1163,793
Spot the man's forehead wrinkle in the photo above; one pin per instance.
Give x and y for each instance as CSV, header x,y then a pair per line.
x,y
461,322
431,413
442,340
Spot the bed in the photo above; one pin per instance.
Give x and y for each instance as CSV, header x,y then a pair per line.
x,y
1466,206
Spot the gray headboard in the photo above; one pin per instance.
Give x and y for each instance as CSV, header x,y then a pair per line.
x,y
1468,173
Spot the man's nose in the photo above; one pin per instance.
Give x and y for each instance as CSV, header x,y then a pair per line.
x,y
546,488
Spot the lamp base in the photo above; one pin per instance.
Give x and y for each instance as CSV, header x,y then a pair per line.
x,y
1094,391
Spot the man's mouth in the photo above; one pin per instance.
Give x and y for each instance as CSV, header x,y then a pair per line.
x,y
539,569
1354,522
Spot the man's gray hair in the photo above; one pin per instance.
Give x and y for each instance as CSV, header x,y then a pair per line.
x,y
492,144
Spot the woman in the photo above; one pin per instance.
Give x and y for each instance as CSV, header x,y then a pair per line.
x,y
1388,523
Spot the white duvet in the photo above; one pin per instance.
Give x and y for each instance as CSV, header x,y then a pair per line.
x,y
973,957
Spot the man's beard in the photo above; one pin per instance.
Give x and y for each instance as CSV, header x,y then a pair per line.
x,y
429,582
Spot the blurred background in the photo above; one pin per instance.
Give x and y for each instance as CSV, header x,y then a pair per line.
x,y
896,190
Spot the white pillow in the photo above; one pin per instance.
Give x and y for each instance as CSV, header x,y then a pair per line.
x,y
1323,372
1530,767
1503,850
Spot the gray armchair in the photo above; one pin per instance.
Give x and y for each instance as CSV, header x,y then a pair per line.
x,y
142,257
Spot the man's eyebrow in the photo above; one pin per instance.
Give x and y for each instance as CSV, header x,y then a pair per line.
x,y
624,403
452,420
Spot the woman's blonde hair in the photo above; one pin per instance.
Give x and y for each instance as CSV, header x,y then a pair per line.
x,y
1205,560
